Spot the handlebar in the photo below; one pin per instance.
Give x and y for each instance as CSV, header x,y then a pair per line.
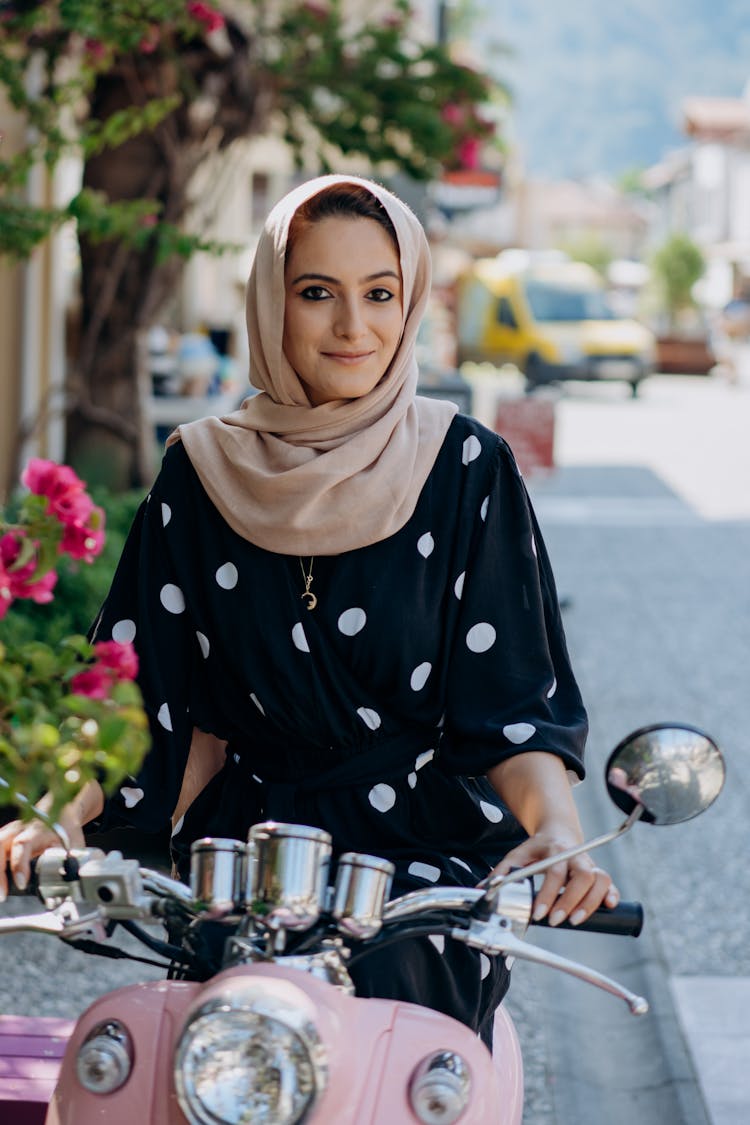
x,y
623,920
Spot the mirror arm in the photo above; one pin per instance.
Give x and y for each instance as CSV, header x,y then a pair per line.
x,y
494,881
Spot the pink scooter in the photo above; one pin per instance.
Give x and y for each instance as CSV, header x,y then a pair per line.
x,y
257,1021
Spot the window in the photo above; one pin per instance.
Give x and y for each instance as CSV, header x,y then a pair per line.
x,y
505,314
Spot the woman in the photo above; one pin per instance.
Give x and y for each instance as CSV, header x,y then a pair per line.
x,y
344,611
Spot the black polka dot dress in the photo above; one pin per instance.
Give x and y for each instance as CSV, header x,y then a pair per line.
x,y
429,658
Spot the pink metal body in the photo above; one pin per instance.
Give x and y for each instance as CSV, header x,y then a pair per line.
x,y
372,1048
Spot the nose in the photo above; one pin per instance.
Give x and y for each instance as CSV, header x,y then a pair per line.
x,y
349,323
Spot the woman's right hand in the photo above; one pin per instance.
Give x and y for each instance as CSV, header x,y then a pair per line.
x,y
21,841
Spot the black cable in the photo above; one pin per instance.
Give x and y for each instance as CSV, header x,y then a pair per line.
x,y
173,952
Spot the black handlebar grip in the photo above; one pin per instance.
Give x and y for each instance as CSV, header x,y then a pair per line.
x,y
623,920
33,885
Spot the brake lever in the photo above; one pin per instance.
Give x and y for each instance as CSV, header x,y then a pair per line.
x,y
495,935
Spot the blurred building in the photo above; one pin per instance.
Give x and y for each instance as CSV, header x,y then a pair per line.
x,y
704,189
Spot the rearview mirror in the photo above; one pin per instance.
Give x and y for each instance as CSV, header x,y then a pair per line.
x,y
673,772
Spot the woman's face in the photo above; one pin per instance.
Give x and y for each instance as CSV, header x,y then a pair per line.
x,y
343,313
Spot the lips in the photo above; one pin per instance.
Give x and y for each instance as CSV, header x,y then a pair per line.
x,y
348,357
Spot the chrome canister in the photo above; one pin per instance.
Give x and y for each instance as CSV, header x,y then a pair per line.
x,y
217,874
287,873
363,884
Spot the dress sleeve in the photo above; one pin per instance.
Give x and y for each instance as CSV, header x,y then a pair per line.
x,y
146,605
510,685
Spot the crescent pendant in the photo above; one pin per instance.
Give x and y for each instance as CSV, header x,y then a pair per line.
x,y
312,600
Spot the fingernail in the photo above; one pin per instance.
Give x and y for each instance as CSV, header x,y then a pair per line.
x,y
556,917
540,910
613,898
20,880
577,918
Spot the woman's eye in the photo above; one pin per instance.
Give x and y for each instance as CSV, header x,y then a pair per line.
x,y
380,295
314,293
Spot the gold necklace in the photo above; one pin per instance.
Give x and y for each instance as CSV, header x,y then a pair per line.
x,y
307,578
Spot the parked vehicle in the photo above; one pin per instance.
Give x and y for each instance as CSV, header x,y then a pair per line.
x,y
550,317
257,1021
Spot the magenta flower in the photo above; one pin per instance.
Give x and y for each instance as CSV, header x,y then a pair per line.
x,y
93,682
452,114
120,660
468,153
18,581
205,14
84,543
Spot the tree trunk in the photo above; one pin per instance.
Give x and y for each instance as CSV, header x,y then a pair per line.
x,y
125,290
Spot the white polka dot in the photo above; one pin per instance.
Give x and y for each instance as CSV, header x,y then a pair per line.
x,y
485,506
481,637
255,777
123,631
205,644
471,450
412,779
382,797
458,587
425,757
441,721
178,826
172,598
352,621
519,732
424,870
164,716
509,963
227,576
257,702
553,689
492,812
299,638
461,863
426,544
166,514
130,796
420,676
484,965
438,940
369,717
237,759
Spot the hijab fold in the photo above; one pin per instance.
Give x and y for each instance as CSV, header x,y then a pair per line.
x,y
299,479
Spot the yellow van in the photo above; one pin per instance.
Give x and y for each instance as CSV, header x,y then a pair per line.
x,y
550,317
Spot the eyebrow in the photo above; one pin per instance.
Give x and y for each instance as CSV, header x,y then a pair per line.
x,y
336,280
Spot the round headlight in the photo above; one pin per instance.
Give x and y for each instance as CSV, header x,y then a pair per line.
x,y
105,1058
440,1088
237,1065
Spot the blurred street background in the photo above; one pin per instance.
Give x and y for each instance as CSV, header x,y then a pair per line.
x,y
583,174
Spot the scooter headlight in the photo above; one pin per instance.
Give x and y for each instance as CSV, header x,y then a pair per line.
x,y
256,1060
440,1088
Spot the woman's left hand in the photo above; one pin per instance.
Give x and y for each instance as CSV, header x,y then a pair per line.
x,y
571,889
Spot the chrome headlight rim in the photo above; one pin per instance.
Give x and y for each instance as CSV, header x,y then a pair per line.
x,y
262,1005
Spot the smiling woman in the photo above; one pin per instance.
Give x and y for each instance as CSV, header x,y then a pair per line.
x,y
343,315
343,610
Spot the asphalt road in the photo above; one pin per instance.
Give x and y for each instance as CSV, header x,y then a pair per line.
x,y
647,519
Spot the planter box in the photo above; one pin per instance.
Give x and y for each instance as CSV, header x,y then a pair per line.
x,y
31,1052
680,355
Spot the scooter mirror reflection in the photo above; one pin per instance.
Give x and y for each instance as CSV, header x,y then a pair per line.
x,y
673,772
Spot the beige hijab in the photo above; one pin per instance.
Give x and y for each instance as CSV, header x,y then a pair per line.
x,y
300,479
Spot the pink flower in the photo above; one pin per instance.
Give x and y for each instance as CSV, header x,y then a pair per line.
x,y
6,593
150,40
468,152
120,660
452,114
205,14
66,494
19,582
84,542
95,49
93,682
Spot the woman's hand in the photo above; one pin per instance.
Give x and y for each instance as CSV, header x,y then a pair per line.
x,y
22,841
536,789
571,889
